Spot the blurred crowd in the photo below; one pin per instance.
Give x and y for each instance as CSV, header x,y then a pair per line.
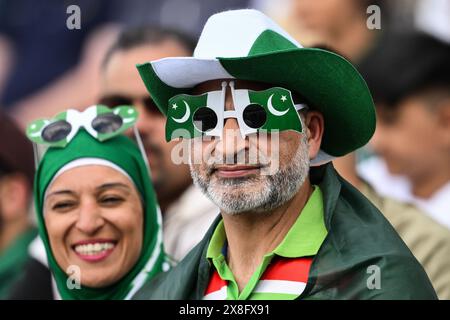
x,y
402,49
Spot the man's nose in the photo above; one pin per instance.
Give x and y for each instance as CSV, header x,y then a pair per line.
x,y
232,142
90,219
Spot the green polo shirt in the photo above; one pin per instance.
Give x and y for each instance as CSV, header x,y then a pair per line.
x,y
303,240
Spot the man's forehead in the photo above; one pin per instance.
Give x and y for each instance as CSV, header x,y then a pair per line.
x,y
213,85
216,84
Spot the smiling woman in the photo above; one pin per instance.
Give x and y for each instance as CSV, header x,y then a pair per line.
x,y
97,214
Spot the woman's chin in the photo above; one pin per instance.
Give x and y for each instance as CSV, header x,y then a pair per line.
x,y
100,274
100,277
95,282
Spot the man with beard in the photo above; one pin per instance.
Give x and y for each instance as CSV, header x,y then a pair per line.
x,y
265,116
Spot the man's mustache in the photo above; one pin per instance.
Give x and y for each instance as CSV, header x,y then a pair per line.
x,y
240,158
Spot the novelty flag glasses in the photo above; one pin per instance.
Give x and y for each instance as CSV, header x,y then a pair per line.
x,y
99,121
191,116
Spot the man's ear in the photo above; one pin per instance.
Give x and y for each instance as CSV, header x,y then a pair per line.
x,y
314,131
443,128
15,196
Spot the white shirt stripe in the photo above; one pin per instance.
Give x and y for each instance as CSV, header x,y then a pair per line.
x,y
280,286
217,295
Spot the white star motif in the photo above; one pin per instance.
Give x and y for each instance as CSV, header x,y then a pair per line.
x,y
283,98
174,106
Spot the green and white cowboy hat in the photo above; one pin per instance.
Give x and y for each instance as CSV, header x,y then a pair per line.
x,y
247,45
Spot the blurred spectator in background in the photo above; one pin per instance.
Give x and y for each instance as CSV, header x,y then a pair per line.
x,y
427,239
410,81
338,24
342,26
16,180
187,213
186,15
46,67
51,66
433,17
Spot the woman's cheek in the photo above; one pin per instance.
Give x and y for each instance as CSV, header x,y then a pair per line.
x,y
127,220
58,228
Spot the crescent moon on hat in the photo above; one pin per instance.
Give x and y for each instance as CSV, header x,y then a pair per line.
x,y
273,110
186,115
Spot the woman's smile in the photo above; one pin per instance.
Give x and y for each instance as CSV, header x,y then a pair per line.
x,y
94,250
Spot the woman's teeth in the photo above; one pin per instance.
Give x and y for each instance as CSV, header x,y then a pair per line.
x,y
94,248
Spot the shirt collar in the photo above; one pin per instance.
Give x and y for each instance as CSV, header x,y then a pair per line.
x,y
303,239
308,232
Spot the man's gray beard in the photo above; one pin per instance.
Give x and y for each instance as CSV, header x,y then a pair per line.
x,y
276,189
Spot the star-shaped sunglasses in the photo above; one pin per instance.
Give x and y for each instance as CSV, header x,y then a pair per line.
x,y
99,121
192,116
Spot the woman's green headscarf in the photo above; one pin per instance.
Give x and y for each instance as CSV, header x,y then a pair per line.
x,y
124,153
